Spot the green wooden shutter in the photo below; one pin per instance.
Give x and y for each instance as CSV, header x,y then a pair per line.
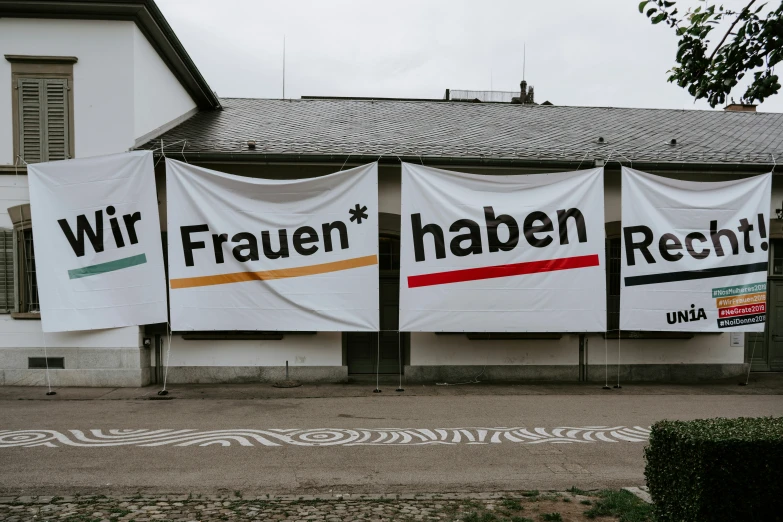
x,y
43,119
31,119
56,118
6,271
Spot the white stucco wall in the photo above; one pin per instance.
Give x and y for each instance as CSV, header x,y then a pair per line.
x,y
13,191
701,349
121,90
322,349
102,78
27,334
158,96
429,349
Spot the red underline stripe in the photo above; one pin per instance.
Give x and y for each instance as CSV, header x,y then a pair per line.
x,y
491,272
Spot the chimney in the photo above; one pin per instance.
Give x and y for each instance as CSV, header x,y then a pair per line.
x,y
525,94
740,107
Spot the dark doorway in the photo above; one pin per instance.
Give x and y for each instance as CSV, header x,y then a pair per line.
x,y
368,352
765,350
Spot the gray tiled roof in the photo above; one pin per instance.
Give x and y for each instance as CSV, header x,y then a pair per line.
x,y
479,130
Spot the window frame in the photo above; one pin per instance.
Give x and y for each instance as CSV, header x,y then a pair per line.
x,y
43,68
22,220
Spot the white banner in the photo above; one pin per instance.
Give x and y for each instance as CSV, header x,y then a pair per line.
x,y
260,254
694,254
518,253
98,251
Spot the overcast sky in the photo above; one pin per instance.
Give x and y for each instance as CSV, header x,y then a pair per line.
x,y
597,53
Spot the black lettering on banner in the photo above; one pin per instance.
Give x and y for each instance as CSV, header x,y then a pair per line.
x,y
251,247
189,246
473,235
115,228
493,221
716,236
562,225
642,246
418,238
327,232
217,245
746,228
130,224
304,236
282,235
530,230
83,228
666,244
689,245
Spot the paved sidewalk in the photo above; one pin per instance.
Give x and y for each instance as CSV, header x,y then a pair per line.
x,y
760,384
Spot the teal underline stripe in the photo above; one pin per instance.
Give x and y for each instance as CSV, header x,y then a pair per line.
x,y
110,266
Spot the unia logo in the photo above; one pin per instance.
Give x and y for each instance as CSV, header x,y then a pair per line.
x,y
85,231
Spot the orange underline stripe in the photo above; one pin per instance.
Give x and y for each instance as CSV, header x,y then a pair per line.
x,y
266,275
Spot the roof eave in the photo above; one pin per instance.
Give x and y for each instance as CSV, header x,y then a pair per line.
x,y
148,18
458,161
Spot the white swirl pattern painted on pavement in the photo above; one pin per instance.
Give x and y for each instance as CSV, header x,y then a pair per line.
x,y
322,436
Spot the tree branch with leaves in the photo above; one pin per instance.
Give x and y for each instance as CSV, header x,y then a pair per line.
x,y
752,43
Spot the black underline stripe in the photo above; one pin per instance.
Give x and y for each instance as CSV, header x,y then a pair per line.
x,y
688,275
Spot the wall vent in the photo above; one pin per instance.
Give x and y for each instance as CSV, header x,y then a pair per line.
x,y
40,363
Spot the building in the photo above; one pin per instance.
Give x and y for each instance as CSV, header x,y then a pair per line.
x,y
100,77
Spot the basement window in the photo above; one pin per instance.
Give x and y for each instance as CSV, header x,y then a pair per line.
x,y
41,363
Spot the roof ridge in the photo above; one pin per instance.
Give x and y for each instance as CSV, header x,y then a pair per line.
x,y
494,104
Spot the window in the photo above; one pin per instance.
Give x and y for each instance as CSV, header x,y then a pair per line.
x,y
776,267
6,271
42,107
388,253
26,304
612,284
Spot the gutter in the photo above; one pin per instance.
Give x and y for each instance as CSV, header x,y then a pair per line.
x,y
441,161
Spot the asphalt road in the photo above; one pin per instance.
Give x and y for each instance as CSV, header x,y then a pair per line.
x,y
363,455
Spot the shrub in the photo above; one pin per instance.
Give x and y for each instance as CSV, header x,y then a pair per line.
x,y
716,469
621,504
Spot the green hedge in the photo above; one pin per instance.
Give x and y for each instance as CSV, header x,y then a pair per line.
x,y
716,469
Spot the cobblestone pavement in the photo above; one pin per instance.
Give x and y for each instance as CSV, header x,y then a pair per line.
x,y
513,507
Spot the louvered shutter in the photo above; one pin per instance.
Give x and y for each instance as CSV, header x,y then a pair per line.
x,y
43,119
56,118
6,271
31,119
